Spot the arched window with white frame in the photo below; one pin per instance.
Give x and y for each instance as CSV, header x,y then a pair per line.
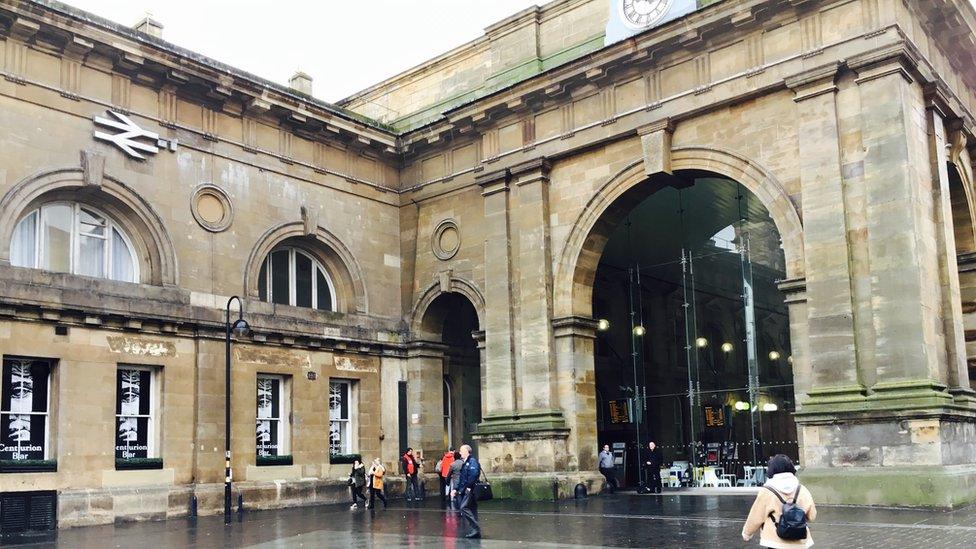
x,y
69,237
290,276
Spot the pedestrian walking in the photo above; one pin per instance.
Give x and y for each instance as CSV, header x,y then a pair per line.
x,y
409,468
653,464
444,473
357,480
606,468
468,506
454,474
376,473
782,509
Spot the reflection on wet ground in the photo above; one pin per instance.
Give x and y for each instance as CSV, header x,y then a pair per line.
x,y
623,520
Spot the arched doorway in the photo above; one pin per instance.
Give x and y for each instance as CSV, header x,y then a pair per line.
x,y
693,348
965,241
452,320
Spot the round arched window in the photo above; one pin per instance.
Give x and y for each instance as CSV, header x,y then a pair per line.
x,y
73,238
290,276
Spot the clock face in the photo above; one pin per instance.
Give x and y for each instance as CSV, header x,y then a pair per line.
x,y
640,14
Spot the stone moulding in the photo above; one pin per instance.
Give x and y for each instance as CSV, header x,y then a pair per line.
x,y
524,425
901,399
139,219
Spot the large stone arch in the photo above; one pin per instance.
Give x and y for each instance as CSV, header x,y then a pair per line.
x,y
144,226
581,254
338,260
451,284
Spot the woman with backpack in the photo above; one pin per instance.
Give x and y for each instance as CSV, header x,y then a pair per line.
x,y
782,509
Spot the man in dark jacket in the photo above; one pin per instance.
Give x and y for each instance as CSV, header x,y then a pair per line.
x,y
468,507
653,464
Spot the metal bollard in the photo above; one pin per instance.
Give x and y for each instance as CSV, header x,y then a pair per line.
x,y
193,506
240,504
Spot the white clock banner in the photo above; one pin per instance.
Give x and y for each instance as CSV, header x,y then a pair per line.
x,y
629,17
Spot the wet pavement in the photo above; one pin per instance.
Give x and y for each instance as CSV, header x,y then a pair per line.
x,y
623,520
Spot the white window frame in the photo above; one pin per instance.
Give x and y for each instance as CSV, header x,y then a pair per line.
x,y
152,438
349,422
47,405
74,243
293,278
284,414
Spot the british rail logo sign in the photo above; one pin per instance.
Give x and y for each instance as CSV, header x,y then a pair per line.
x,y
130,137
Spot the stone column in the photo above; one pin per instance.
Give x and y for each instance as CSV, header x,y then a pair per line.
x,y
905,440
575,383
902,253
952,318
829,300
530,222
499,396
425,396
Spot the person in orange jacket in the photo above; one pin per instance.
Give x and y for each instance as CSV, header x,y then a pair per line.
x,y
444,472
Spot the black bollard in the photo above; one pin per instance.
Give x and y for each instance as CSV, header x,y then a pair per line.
x,y
193,506
240,504
580,491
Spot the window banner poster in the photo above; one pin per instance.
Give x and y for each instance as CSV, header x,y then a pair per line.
x,y
132,409
23,409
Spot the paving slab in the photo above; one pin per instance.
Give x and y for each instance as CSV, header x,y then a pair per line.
x,y
621,520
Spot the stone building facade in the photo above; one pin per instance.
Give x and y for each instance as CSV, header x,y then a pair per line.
x,y
143,185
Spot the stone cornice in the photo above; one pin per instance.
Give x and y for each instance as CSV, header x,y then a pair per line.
x,y
814,82
67,31
32,295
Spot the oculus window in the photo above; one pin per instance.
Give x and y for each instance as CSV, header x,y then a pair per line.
x,y
290,276
24,408
70,238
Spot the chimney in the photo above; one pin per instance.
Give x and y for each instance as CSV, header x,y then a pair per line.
x,y
301,83
149,26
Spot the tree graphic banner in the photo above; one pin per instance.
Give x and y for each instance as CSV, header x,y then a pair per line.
x,y
23,409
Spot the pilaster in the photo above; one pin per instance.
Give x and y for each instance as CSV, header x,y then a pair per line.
x,y
833,372
534,267
499,352
425,396
957,372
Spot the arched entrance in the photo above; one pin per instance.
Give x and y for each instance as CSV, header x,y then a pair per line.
x,y
961,203
451,321
695,339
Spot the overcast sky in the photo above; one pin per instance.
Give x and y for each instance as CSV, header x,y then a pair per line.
x,y
345,45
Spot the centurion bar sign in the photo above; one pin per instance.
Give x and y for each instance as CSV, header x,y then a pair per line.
x,y
629,17
130,137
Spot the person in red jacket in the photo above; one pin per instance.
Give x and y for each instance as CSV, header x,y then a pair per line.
x,y
409,466
444,473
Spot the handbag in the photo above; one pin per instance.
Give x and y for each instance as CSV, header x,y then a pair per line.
x,y
482,488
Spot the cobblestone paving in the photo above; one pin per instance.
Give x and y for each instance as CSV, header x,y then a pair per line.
x,y
624,520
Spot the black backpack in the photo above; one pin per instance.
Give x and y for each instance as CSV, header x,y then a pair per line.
x,y
792,523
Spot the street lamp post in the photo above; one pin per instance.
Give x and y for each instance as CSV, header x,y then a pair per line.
x,y
240,328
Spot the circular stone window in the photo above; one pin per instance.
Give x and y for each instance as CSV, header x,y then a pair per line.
x,y
446,240
212,208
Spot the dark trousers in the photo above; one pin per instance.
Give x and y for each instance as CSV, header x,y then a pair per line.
x,y
413,487
654,479
376,493
445,495
611,477
357,494
469,509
